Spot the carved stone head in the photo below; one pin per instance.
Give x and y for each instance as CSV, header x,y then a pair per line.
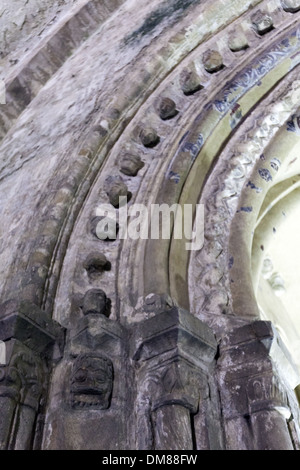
x,y
131,164
95,302
167,109
291,5
149,137
91,382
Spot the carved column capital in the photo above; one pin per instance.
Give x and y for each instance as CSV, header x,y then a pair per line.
x,y
23,380
174,352
31,326
178,332
253,390
31,340
23,377
97,333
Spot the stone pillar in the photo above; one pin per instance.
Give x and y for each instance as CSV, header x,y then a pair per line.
x,y
96,345
89,406
254,392
30,339
174,352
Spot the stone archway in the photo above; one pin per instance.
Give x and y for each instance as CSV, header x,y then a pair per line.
x,y
140,335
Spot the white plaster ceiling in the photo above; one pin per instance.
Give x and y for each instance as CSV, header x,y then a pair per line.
x,y
278,231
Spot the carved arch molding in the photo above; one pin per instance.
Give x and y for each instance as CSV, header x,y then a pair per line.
x,y
162,348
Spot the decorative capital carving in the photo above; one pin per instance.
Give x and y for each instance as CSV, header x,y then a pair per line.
x,y
175,383
247,388
175,350
32,327
178,331
97,332
23,378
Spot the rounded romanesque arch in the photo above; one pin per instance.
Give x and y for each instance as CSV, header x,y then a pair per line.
x,y
172,103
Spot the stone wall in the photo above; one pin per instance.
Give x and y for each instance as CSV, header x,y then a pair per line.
x,y
23,22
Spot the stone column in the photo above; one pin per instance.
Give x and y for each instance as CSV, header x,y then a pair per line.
x,y
89,406
254,391
30,339
174,352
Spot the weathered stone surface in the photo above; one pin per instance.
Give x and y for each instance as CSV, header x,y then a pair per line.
x,y
172,426
26,323
258,396
158,303
190,82
291,5
263,23
23,381
238,42
95,302
131,164
149,137
182,330
96,332
116,189
167,109
211,379
212,61
95,264
175,352
91,382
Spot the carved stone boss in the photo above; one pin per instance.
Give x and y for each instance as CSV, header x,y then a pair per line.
x,y
32,340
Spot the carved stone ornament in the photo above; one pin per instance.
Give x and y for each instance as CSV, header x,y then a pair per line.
x,y
91,382
238,41
190,82
167,109
175,383
131,164
291,6
95,264
149,137
22,379
212,61
262,22
158,303
95,302
116,189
